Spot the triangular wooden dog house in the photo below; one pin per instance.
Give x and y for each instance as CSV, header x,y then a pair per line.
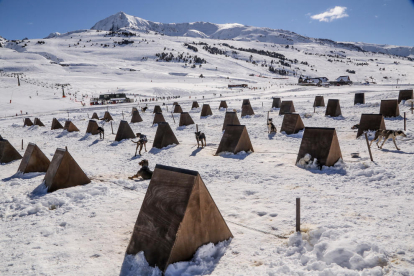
x,y
177,216
322,144
37,122
133,110
230,119
27,122
390,108
276,103
107,117
245,101
235,139
206,110
405,95
34,160
157,109
124,131
95,116
164,136
64,172
175,103
223,104
333,109
7,152
195,105
246,108
370,122
70,127
136,118
359,98
319,101
158,118
185,119
292,123
92,127
56,124
177,109
286,107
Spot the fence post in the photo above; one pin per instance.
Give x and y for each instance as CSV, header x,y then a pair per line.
x,y
405,122
297,214
369,148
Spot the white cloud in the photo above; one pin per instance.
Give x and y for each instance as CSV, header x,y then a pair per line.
x,y
331,14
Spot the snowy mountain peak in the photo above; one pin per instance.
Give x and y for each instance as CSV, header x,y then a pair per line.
x,y
119,21
235,31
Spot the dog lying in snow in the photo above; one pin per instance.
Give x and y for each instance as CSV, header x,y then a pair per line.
x,y
387,134
355,126
143,109
200,137
144,172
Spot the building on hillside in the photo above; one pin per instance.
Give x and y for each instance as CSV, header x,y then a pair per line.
x,y
113,98
237,85
319,81
342,80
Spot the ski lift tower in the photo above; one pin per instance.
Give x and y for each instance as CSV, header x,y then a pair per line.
x,y
63,85
18,77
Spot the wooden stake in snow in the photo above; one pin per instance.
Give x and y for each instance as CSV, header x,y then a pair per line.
x,y
297,214
123,115
412,108
172,115
22,143
167,107
196,127
112,128
267,122
369,148
405,122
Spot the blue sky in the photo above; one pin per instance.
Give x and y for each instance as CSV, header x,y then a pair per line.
x,y
371,21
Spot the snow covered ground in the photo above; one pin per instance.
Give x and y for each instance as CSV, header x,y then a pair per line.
x,y
357,217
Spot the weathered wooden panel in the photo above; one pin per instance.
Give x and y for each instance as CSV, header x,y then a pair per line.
x,y
370,122
322,144
390,108
34,160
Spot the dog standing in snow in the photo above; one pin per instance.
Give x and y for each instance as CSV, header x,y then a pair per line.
x,y
142,142
101,132
200,137
387,134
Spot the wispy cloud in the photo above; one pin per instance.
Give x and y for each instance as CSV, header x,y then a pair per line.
x,y
331,14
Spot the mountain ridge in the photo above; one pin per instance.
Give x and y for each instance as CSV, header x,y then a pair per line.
x,y
238,32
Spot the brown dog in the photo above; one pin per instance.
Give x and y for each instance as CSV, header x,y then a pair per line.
x,y
387,134
144,172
